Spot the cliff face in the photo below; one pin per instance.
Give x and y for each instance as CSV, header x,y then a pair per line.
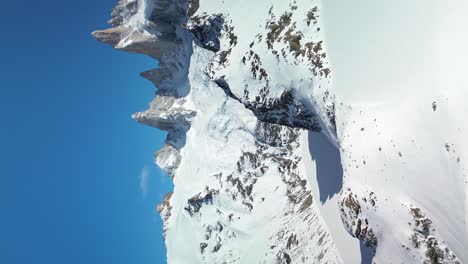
x,y
244,89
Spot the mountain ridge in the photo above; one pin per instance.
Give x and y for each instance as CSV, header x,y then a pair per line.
x,y
244,92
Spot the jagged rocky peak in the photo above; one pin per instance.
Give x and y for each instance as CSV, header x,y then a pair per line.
x,y
166,113
154,28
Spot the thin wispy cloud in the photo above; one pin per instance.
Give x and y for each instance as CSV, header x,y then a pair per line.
x,y
144,181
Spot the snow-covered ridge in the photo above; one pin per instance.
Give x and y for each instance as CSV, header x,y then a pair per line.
x,y
239,95
275,62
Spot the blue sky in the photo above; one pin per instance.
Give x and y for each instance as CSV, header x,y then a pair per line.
x,y
71,156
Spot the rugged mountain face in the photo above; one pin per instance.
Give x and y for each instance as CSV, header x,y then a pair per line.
x,y
257,134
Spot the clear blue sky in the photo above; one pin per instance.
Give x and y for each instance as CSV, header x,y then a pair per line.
x,y
71,156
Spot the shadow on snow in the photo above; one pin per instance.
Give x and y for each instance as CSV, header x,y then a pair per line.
x,y
330,176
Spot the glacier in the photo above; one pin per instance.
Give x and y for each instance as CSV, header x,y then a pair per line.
x,y
307,131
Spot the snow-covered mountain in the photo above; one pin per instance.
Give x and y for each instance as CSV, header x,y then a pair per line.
x,y
307,131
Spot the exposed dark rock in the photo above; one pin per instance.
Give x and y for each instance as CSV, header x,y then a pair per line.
x,y
206,30
353,219
217,247
203,246
423,238
312,15
193,7
195,203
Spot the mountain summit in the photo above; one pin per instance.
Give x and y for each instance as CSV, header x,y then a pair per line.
x,y
307,131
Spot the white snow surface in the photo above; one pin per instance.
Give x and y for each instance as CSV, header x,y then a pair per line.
x,y
394,62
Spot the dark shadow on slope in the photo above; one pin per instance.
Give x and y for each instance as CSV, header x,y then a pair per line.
x,y
328,165
367,254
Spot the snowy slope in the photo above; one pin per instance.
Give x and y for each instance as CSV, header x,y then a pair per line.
x,y
401,123
240,193
295,127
